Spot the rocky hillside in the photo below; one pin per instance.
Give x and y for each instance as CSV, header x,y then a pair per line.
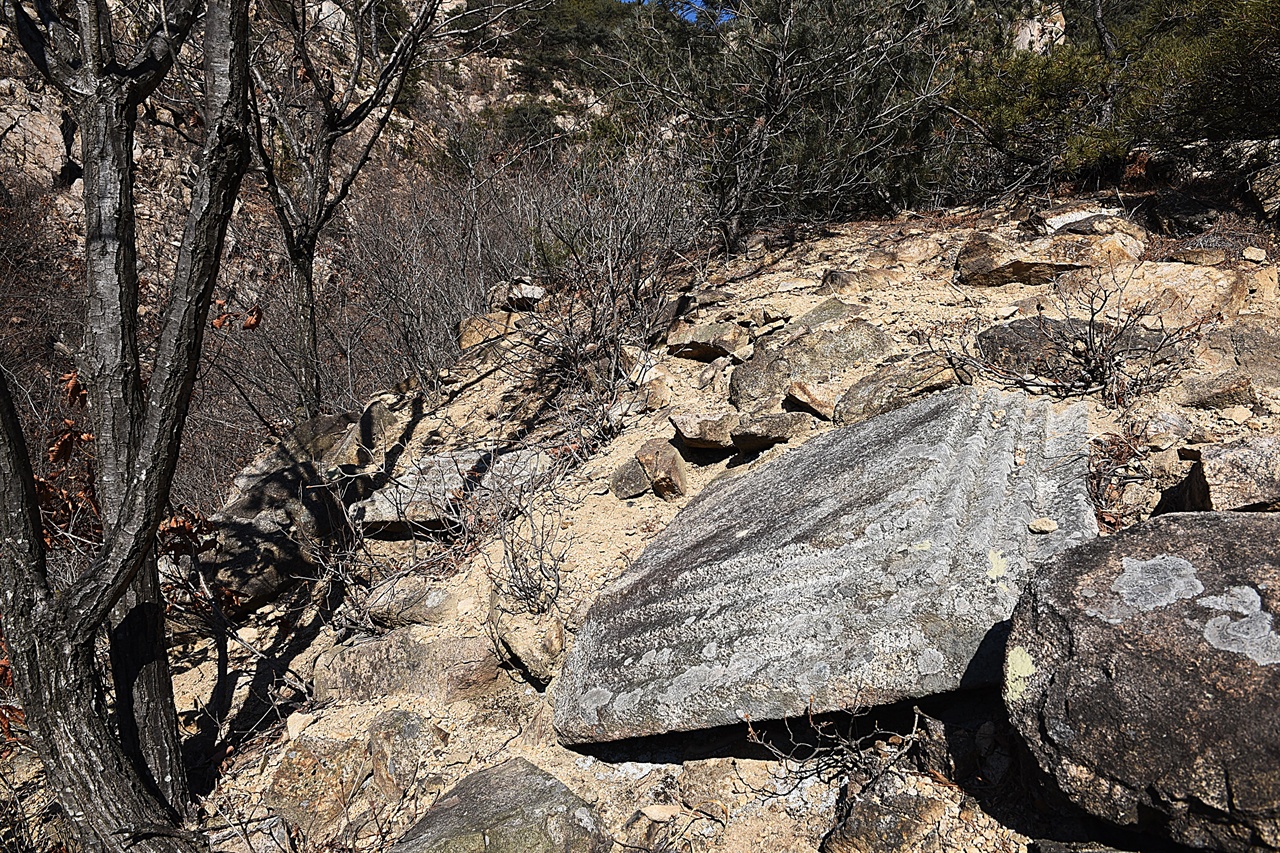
x,y
950,532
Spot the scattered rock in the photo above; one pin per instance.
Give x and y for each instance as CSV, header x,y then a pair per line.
x,y
474,331
512,808
630,480
315,782
664,468
532,643
866,566
399,741
523,296
892,386
410,600
1255,254
297,723
869,280
1265,185
819,348
1179,215
1063,216
987,261
1218,391
755,433
278,502
1250,345
1207,257
706,342
407,661
704,431
1242,475
1238,415
888,823
820,399
1139,671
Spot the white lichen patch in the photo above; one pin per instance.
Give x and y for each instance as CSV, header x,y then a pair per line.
x,y
1253,635
1147,585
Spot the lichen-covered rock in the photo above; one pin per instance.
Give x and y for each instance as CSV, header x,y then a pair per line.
x,y
315,782
1142,670
820,347
630,480
892,386
512,808
869,565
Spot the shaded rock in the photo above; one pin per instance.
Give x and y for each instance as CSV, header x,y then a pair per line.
x,y
1219,391
1207,257
482,329
850,282
866,566
1140,672
891,386
512,808
1177,214
1242,475
407,661
820,399
399,742
890,822
1063,216
1104,224
987,261
427,493
1265,186
315,782
630,480
706,342
279,503
664,468
532,643
523,296
709,432
1250,345
410,600
760,432
1057,352
820,347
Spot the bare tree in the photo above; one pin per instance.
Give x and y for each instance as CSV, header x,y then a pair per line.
x,y
326,82
123,786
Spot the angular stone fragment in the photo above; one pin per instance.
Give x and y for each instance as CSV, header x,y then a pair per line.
x,y
1242,475
407,662
410,600
760,432
706,342
987,261
708,432
892,386
664,468
1142,670
1250,345
1219,391
866,566
821,347
512,808
314,783
630,480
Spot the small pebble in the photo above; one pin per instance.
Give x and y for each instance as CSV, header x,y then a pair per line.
x,y
1043,525
1253,253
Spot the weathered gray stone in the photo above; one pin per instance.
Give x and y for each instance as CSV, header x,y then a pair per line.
x,y
630,480
410,600
314,783
1219,391
706,342
400,744
407,661
278,503
1250,345
988,261
512,808
760,432
892,386
868,565
1242,475
820,347
664,468
1142,670
890,822
703,431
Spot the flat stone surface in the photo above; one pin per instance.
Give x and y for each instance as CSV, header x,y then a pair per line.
x,y
866,566
1143,670
513,808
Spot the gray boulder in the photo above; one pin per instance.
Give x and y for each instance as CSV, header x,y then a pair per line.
x,y
818,348
512,808
869,565
1142,671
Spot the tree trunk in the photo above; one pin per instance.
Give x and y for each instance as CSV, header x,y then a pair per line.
x,y
306,341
